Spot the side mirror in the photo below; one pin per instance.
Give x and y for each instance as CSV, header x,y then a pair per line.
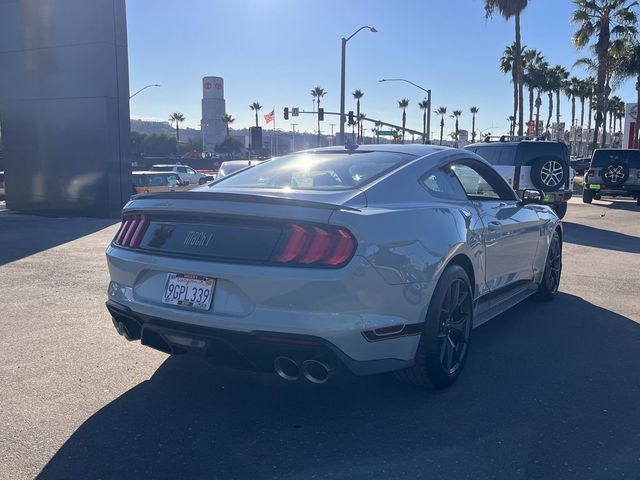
x,y
531,195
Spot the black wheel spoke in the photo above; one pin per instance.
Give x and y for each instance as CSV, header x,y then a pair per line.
x,y
455,325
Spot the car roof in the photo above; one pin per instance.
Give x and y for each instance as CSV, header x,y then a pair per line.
x,y
419,150
241,162
151,172
514,143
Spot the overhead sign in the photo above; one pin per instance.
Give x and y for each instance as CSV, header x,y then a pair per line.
x,y
392,133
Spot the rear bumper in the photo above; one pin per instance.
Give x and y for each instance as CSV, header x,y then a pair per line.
x,y
255,350
603,189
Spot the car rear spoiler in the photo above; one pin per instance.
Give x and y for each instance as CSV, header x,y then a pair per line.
x,y
241,197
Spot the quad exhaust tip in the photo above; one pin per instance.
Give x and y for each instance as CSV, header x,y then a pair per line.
x,y
286,368
315,371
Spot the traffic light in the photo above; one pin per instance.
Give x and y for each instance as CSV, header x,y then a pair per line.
x,y
286,113
321,114
351,121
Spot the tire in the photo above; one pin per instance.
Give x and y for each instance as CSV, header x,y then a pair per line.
x,y
202,181
560,209
615,174
549,173
548,288
587,195
444,344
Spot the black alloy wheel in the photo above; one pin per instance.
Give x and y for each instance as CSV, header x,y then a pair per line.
x,y
548,288
444,343
455,327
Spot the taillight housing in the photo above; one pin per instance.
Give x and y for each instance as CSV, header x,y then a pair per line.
x,y
315,245
132,230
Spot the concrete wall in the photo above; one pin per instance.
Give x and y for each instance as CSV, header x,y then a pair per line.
x,y
64,106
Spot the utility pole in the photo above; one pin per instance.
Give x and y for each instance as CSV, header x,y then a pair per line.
x,y
333,140
293,140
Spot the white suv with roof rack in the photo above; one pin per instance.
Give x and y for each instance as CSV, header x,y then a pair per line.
x,y
185,172
531,164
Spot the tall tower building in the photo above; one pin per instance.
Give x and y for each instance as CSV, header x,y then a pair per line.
x,y
213,108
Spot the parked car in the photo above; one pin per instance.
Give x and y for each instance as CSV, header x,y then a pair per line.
x,y
232,166
527,164
186,173
145,182
366,260
2,184
614,172
581,165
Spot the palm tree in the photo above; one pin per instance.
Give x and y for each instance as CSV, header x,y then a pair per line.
x,y
507,65
508,9
178,118
378,125
358,94
403,104
561,75
627,67
602,21
456,114
538,78
317,93
532,59
227,119
424,106
442,111
255,106
474,111
572,89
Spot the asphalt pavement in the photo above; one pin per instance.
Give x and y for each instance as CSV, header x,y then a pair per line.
x,y
551,390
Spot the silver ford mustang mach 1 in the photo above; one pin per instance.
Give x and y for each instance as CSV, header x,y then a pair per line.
x,y
365,259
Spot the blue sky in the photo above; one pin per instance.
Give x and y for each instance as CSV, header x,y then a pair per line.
x,y
276,51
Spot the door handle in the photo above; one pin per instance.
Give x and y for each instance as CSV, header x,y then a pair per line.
x,y
494,225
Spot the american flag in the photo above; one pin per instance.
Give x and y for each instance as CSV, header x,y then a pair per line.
x,y
269,117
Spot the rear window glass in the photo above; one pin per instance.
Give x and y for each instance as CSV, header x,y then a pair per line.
x,y
151,180
318,170
631,158
498,155
161,169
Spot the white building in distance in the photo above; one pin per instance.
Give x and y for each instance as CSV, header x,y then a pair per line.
x,y
213,108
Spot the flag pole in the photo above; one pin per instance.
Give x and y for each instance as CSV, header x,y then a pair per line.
x,y
275,134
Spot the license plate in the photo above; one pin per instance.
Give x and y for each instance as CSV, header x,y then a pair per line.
x,y
594,186
191,291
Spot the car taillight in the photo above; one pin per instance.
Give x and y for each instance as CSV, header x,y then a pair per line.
x,y
315,245
590,173
132,230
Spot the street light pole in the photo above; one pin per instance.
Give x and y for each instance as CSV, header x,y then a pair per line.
x,y
342,76
144,88
428,134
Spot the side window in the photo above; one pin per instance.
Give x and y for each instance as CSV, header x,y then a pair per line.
x,y
443,183
481,182
190,171
182,169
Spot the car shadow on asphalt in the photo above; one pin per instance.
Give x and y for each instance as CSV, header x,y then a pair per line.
x,y
24,235
551,390
588,236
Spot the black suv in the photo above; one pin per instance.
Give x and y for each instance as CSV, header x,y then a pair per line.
x,y
614,172
526,164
